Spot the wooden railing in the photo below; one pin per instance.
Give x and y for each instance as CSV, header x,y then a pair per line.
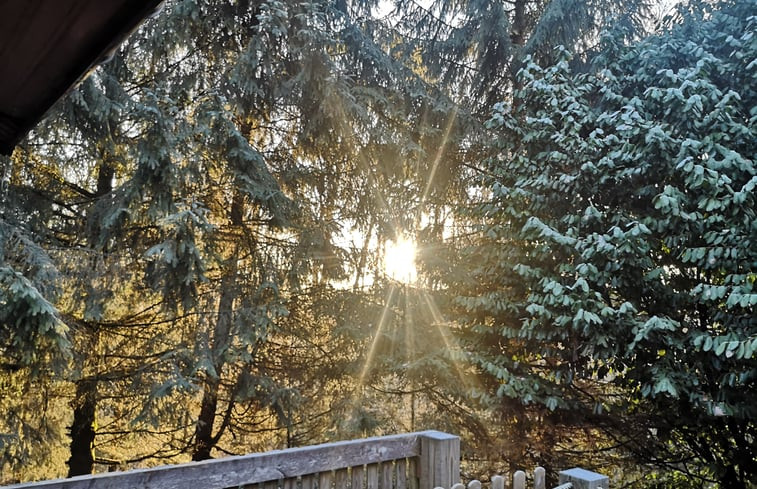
x,y
423,460
569,479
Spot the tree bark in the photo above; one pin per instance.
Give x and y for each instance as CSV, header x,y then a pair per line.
x,y
518,35
204,429
82,431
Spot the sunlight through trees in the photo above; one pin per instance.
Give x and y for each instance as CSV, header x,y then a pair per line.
x,y
200,255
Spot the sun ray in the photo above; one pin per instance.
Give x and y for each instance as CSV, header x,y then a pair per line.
x,y
410,337
450,343
376,336
375,189
439,154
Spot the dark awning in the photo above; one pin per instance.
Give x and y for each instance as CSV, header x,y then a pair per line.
x,y
47,46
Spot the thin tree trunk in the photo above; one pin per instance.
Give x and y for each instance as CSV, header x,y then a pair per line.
x,y
360,273
518,35
82,458
204,429
205,439
518,38
83,427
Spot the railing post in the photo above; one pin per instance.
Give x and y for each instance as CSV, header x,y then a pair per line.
x,y
439,461
584,479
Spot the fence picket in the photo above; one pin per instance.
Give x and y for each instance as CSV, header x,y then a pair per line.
x,y
324,480
474,484
372,479
358,477
400,469
412,473
519,480
540,478
387,481
341,479
498,482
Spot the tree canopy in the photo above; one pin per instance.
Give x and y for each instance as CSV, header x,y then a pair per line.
x,y
614,275
192,243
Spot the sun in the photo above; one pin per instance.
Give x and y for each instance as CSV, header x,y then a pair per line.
x,y
399,260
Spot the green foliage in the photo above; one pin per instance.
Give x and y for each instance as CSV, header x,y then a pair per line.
x,y
619,259
475,48
190,207
31,331
30,323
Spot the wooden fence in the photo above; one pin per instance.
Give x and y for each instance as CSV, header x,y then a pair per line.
x,y
569,479
422,460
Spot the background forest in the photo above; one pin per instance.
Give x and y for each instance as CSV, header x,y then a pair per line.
x,y
194,243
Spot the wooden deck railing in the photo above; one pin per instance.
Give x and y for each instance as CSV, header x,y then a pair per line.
x,y
423,460
576,478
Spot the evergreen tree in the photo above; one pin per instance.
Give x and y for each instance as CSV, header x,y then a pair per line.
x,y
612,284
193,206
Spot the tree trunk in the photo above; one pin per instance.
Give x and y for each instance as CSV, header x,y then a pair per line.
x,y
82,431
518,38
83,427
204,429
518,35
205,439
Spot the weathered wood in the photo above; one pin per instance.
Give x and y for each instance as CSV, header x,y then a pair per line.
x,y
459,485
412,473
254,468
341,479
584,479
324,480
358,477
439,461
474,484
498,482
306,482
540,478
387,476
372,476
519,480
